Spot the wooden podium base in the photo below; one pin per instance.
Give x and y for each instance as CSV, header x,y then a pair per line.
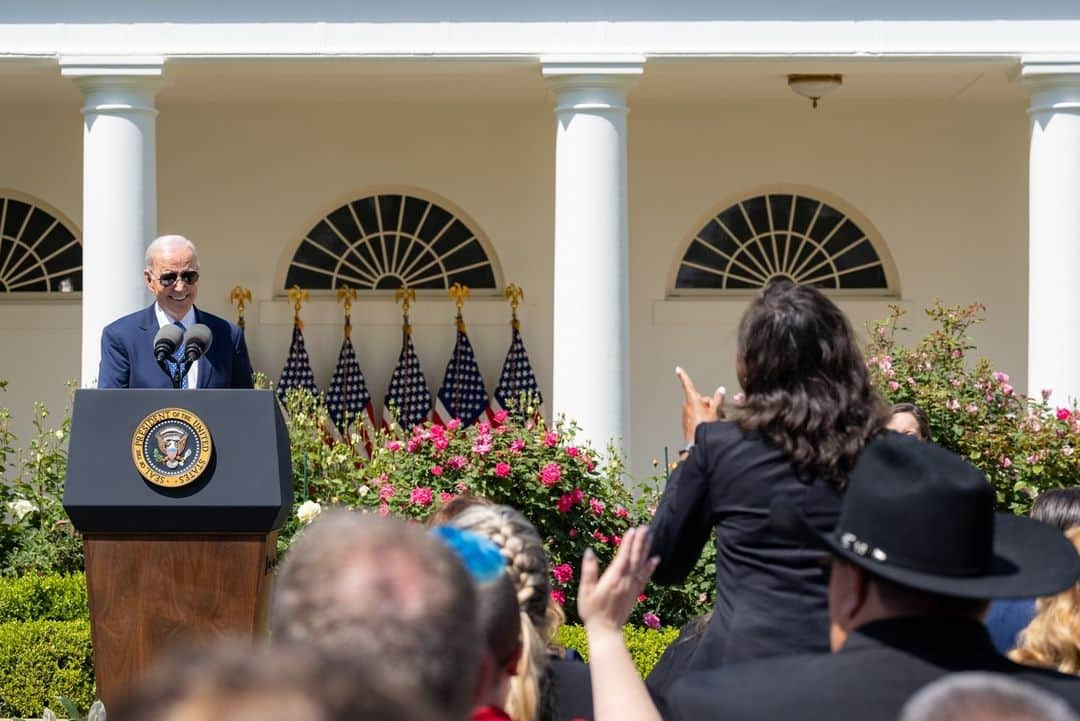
x,y
149,592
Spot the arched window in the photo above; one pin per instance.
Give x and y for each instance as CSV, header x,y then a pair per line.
x,y
39,250
385,240
785,234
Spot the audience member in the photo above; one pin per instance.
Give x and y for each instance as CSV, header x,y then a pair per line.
x,y
1052,639
546,687
1006,618
916,550
389,592
235,681
808,411
977,696
909,419
455,507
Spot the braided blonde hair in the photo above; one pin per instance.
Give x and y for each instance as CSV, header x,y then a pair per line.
x,y
527,566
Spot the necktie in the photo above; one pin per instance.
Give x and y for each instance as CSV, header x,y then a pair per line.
x,y
176,357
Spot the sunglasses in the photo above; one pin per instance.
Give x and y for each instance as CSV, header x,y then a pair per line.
x,y
190,277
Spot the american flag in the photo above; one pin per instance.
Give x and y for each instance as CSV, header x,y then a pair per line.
x,y
297,371
517,378
348,399
408,400
463,394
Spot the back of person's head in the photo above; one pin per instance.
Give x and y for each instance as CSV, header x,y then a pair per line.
x,y
978,696
499,621
387,590
806,384
1052,639
455,507
527,567
918,425
1060,507
237,681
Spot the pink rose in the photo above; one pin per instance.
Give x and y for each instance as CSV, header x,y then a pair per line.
x,y
1001,377
972,409
600,537
393,446
421,496
502,469
578,495
573,452
550,474
651,620
642,598
454,424
911,381
517,445
558,596
445,497
386,492
384,509
1005,461
436,470
597,506
616,540
1006,389
500,417
565,503
414,445
591,466
482,445
457,462
621,512
551,439
894,386
483,428
440,442
1063,414
573,533
563,573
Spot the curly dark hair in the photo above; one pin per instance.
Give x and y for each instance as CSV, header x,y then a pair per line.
x,y
805,380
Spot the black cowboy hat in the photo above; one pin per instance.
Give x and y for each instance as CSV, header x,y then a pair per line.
x,y
921,516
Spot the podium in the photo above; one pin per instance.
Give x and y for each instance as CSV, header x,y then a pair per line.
x,y
178,496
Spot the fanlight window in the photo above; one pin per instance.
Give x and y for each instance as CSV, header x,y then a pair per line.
x,y
38,252
384,241
782,235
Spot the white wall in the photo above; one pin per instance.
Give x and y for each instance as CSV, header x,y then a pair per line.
x,y
945,184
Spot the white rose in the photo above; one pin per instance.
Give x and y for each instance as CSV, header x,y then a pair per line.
x,y
308,510
21,508
363,491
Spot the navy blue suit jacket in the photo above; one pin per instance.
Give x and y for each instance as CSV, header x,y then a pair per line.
x,y
127,354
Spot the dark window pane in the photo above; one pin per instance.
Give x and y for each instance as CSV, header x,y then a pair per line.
x,y
365,213
37,286
454,236
6,247
365,253
781,210
436,220
70,258
701,254
390,207
389,282
827,219
308,254
844,236
56,239
36,226
474,278
805,250
753,250
804,213
324,236
825,283
75,276
431,283
414,211
866,278
16,214
343,220
861,254
424,266
815,266
755,210
733,219
468,254
694,278
411,251
306,279
736,284
29,261
715,236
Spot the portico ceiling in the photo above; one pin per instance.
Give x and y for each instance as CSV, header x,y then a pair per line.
x,y
519,80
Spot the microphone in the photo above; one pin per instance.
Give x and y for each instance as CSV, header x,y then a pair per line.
x,y
166,341
196,342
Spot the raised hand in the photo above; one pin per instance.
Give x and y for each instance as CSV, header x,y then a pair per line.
x,y
607,600
697,408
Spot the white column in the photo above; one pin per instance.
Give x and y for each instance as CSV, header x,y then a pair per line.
x,y
591,364
1054,226
119,189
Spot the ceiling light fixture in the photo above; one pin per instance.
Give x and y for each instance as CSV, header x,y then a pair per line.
x,y
814,87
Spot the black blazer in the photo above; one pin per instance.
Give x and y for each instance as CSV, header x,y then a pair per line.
x,y
770,591
127,354
869,679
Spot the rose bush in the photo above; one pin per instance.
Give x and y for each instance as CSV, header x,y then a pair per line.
x,y
1024,445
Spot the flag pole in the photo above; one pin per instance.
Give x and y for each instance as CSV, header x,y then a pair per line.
x,y
459,293
298,296
514,294
406,296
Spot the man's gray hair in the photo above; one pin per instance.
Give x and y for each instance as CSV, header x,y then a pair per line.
x,y
389,591
169,241
987,697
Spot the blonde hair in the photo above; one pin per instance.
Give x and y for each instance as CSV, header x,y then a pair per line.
x,y
527,566
1052,639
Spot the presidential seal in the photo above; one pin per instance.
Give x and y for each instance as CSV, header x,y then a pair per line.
x,y
171,447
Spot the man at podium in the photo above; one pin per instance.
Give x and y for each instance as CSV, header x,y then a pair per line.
x,y
127,344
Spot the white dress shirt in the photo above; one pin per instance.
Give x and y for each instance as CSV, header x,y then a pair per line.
x,y
188,320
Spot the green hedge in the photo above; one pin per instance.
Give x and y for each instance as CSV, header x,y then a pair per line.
x,y
646,645
43,598
41,660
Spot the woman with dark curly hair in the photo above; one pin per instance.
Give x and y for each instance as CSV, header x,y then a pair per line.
x,y
808,412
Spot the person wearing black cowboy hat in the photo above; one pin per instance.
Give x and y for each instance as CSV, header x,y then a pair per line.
x,y
917,553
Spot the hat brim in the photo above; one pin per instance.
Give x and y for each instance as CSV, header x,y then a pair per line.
x,y
1030,558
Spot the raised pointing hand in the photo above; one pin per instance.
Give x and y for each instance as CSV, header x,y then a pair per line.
x,y
697,408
